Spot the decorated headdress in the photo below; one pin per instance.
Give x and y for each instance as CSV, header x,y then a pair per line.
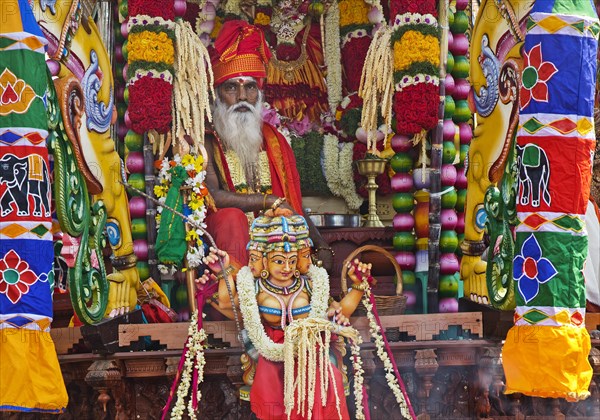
x,y
279,233
240,50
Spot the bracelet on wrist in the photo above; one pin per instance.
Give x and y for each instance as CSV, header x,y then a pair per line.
x,y
225,273
277,203
360,287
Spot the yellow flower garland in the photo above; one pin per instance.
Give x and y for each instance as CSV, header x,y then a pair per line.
x,y
416,47
353,12
262,19
151,46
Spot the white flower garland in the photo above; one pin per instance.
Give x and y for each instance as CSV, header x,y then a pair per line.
x,y
333,56
195,252
338,171
382,354
355,34
415,80
238,175
144,20
194,356
249,307
414,18
164,75
358,377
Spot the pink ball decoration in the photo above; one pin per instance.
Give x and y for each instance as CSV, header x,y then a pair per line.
x,y
124,30
361,135
460,223
411,297
119,54
375,15
448,264
127,120
180,6
407,260
448,175
122,130
448,305
137,207
209,11
449,219
402,182
449,85
462,89
421,182
462,4
401,143
461,179
460,45
125,68
450,40
140,249
449,130
465,132
119,92
404,222
135,162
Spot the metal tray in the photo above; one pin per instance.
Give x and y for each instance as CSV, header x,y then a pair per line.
x,y
335,220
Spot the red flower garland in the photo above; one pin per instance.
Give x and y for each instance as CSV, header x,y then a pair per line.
x,y
423,7
416,108
150,105
161,8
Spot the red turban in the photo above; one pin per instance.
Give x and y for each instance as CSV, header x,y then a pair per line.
x,y
240,50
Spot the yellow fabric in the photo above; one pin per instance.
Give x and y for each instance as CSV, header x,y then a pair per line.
x,y
549,362
30,376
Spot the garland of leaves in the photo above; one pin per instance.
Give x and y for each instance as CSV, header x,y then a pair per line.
x,y
308,150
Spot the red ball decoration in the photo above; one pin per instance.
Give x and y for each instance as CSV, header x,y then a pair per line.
x,y
140,249
462,4
449,85
448,305
449,218
402,182
461,179
460,45
449,264
403,222
460,224
462,89
180,7
401,143
406,260
448,175
465,132
135,162
137,207
449,130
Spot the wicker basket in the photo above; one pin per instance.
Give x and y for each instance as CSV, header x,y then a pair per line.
x,y
386,305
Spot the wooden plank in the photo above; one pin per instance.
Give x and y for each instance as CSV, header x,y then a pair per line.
x,y
65,338
592,321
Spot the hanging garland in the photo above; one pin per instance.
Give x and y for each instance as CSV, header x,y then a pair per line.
x,y
337,165
196,206
333,56
150,56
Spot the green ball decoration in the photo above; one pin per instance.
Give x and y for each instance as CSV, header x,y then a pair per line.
x,y
461,67
449,64
448,241
121,108
462,113
401,162
408,279
143,270
134,141
126,95
139,228
460,23
449,199
450,17
404,241
449,152
464,151
136,181
124,50
449,107
461,198
403,202
448,286
123,9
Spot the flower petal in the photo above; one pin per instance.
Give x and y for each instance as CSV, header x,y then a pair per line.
x,y
13,293
540,92
528,288
24,288
518,267
28,277
546,71
12,258
524,97
545,270
3,286
531,248
535,56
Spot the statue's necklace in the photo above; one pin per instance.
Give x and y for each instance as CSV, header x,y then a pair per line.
x,y
281,290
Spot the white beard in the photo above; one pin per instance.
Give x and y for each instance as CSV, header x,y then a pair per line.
x,y
241,132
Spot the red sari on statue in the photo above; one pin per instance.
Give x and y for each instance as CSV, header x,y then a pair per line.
x,y
266,394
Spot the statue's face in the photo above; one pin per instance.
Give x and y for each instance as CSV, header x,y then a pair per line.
x,y
281,265
255,262
304,260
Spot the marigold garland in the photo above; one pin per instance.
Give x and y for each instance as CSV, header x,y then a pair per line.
x,y
353,12
415,47
151,47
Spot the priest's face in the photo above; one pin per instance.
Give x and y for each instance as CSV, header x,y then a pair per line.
x,y
236,92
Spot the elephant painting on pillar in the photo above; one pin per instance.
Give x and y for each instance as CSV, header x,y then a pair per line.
x,y
534,175
24,178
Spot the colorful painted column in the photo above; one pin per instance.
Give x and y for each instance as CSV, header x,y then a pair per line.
x,y
546,352
30,376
